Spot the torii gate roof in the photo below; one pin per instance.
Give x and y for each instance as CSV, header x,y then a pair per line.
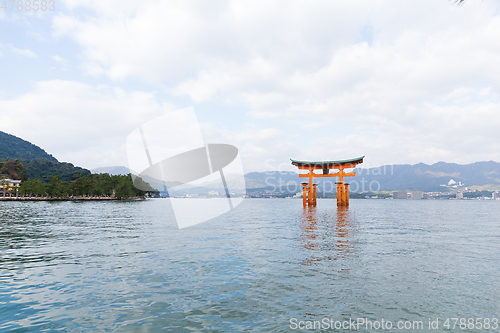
x,y
328,164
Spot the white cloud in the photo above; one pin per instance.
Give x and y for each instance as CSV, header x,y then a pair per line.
x,y
37,36
63,63
261,149
398,81
24,53
79,123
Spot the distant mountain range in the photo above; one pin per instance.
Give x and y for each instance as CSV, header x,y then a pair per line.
x,y
431,177
39,163
436,177
420,176
114,170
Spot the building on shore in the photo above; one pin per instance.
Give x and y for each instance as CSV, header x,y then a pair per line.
x,y
400,195
417,195
496,195
460,195
9,186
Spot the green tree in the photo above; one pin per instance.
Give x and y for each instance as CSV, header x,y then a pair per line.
x,y
57,188
20,170
39,187
80,186
94,185
26,187
124,188
13,170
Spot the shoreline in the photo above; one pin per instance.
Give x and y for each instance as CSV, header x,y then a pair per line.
x,y
69,199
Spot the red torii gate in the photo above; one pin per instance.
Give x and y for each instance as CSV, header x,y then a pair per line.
x,y
309,192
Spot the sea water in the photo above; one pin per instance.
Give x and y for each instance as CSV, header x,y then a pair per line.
x,y
269,265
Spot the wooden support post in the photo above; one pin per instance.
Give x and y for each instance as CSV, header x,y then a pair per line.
x,y
342,197
304,194
346,194
339,193
342,200
310,195
342,194
314,194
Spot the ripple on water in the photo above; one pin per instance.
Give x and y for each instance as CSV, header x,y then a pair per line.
x,y
124,266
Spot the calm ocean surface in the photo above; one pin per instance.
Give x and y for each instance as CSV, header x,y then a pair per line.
x,y
269,263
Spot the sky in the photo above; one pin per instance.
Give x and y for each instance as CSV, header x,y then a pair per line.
x,y
401,82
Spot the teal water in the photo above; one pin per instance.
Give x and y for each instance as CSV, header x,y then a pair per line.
x,y
269,263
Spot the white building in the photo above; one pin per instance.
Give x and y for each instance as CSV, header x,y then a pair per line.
x,y
9,186
417,195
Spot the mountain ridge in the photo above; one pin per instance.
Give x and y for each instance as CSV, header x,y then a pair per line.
x,y
420,176
13,147
36,162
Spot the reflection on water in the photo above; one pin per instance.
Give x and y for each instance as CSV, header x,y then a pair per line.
x,y
328,235
309,226
344,232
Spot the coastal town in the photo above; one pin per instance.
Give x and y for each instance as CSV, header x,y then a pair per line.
x,y
396,195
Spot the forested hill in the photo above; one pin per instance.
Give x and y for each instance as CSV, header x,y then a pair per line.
x,y
40,168
12,147
20,159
